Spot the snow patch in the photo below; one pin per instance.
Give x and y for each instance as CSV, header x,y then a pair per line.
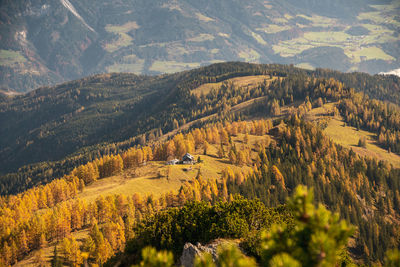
x,y
393,72
67,4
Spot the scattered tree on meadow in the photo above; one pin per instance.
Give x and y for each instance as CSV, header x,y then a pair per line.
x,y
205,147
275,108
362,142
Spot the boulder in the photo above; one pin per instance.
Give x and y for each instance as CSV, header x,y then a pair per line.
x,y
190,251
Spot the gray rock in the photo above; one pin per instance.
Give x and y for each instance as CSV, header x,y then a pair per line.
x,y
190,252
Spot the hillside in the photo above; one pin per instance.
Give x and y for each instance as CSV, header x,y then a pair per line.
x,y
258,131
51,123
53,129
256,159
335,127
156,179
47,42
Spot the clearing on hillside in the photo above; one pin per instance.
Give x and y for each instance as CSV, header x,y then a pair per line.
x,y
348,136
245,81
153,178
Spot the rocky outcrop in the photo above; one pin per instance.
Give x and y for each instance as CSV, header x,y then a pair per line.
x,y
190,251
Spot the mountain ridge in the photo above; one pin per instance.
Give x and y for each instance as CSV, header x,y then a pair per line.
x,y
44,42
104,114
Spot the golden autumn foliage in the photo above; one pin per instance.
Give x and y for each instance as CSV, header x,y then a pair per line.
x,y
278,176
52,212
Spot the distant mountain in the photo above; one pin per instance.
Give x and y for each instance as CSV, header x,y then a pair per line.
x,y
46,42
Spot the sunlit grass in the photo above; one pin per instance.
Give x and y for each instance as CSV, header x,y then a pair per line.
x,y
246,81
258,38
172,66
152,178
203,17
371,53
201,38
348,136
249,55
124,39
9,57
306,66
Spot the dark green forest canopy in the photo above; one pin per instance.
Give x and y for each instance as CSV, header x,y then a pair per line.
x,y
202,222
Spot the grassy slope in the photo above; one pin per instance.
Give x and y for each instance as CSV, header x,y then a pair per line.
x,y
348,136
9,57
246,81
146,180
151,178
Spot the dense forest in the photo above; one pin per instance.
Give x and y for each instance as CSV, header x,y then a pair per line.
x,y
40,202
312,237
106,114
295,152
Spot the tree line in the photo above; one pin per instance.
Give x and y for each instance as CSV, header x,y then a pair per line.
x,y
381,118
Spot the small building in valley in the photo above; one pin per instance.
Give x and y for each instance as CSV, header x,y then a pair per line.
x,y
188,159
